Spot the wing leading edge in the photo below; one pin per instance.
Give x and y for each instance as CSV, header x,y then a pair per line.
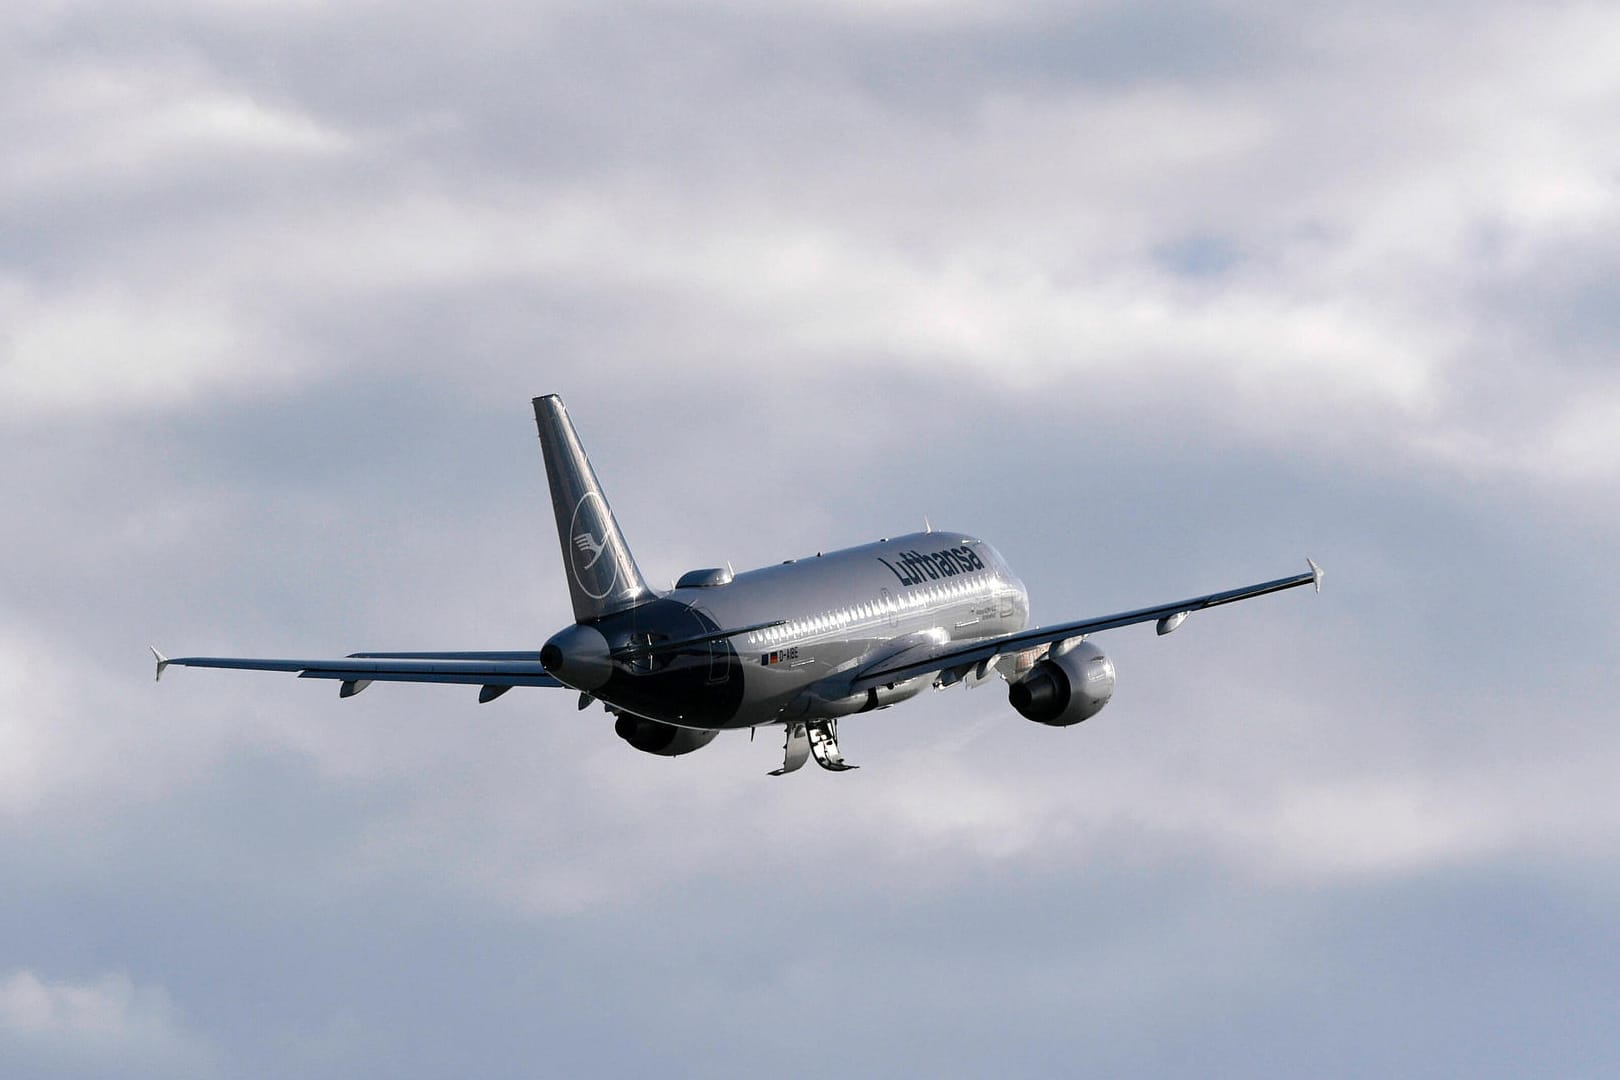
x,y
909,665
488,669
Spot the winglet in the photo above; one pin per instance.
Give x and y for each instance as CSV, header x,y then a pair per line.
x,y
1316,574
162,662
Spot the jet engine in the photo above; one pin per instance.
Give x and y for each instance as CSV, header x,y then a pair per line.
x,y
1066,687
655,737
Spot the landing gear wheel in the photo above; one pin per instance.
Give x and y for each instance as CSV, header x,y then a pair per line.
x,y
824,745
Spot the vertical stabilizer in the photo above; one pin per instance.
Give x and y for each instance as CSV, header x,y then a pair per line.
x,y
602,577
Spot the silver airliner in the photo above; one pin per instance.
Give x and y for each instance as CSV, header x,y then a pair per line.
x,y
800,644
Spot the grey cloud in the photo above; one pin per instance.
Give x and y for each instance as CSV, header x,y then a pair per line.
x,y
804,279
1108,965
809,161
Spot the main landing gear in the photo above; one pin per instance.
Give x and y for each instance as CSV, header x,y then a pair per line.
x,y
814,737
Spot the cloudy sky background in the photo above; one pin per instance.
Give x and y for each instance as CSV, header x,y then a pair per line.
x,y
1160,299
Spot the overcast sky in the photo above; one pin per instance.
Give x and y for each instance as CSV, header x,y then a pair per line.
x,y
1158,299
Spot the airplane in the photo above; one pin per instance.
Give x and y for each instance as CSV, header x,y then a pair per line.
x,y
801,644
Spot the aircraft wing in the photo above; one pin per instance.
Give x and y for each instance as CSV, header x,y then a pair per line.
x,y
496,672
914,662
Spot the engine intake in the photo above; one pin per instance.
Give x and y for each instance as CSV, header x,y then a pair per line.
x,y
665,740
1065,688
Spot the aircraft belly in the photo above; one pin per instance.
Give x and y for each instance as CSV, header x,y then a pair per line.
x,y
774,693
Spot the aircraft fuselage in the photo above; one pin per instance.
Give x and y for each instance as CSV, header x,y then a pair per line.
x,y
839,608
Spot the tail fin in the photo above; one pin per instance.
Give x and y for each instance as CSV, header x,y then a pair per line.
x,y
602,577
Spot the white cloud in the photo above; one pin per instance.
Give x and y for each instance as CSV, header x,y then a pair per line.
x,y
106,1022
135,321
89,122
73,740
1013,243
1577,445
1287,251
127,347
32,717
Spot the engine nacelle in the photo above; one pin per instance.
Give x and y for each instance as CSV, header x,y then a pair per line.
x,y
881,697
665,740
1065,688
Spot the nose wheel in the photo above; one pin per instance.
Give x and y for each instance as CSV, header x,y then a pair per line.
x,y
814,738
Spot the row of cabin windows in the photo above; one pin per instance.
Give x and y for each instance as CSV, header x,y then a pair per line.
x,y
874,609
